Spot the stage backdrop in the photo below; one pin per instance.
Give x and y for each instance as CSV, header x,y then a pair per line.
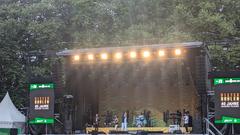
x,y
154,86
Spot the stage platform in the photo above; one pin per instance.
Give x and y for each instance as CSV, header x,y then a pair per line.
x,y
135,129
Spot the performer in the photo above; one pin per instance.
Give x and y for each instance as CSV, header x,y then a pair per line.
x,y
179,116
115,121
148,119
96,123
124,121
140,120
186,120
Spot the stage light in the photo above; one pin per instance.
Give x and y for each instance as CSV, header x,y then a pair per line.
x,y
146,54
90,57
161,53
178,52
76,58
104,56
133,54
118,55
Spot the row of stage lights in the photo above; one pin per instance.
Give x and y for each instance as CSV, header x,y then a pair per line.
x,y
120,55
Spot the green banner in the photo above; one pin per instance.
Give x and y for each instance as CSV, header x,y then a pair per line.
x,y
41,86
218,81
228,120
42,121
4,131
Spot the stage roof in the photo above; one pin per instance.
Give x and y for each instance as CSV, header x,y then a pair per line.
x,y
126,48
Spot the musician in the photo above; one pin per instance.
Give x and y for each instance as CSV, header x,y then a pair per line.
x,y
115,121
148,117
96,122
179,116
186,120
140,120
124,121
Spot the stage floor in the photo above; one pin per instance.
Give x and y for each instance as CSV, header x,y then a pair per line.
x,y
134,129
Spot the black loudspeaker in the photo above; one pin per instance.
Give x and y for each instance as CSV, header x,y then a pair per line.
x,y
142,132
177,132
201,74
201,82
58,78
197,129
118,132
96,133
155,132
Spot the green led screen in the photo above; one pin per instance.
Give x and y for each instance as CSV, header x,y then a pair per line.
x,y
226,81
41,86
41,103
227,102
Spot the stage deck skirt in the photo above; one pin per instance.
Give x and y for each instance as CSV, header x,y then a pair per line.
x,y
132,129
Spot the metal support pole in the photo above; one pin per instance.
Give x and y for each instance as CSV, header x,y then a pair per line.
x,y
207,124
232,129
29,72
46,129
202,117
211,125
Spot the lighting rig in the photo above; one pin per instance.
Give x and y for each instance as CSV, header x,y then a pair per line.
x,y
145,54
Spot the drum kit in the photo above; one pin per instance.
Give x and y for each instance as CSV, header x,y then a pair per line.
x,y
140,121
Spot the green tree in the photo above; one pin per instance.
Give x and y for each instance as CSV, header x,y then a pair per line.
x,y
211,21
28,26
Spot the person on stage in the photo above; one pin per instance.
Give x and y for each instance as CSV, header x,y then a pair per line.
x,y
186,120
115,121
96,122
179,117
124,121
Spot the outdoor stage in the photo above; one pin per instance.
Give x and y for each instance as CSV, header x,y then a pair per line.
x,y
135,129
155,78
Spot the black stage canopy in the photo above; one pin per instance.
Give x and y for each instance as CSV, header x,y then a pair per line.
x,y
156,84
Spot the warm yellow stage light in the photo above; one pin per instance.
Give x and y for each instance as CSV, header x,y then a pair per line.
x,y
178,52
133,55
90,57
76,58
104,56
146,54
118,55
161,53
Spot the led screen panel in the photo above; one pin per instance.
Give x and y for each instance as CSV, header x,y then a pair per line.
x,y
225,81
227,103
41,103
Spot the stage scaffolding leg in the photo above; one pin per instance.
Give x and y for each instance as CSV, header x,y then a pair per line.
x,y
46,129
207,124
232,129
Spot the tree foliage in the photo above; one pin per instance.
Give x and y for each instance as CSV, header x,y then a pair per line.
x,y
38,25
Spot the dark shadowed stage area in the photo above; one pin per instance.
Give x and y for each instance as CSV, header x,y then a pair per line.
x,y
154,84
